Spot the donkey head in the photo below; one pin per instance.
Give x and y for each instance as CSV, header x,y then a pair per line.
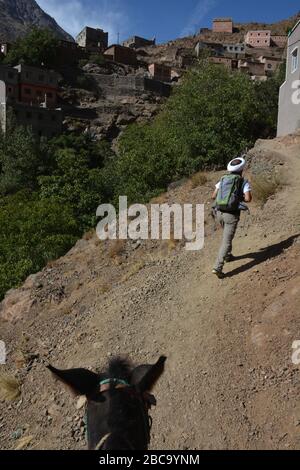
x,y
118,401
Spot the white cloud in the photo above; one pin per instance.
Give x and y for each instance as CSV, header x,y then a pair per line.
x,y
73,15
200,11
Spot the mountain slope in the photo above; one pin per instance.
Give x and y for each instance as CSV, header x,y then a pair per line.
x,y
18,16
229,383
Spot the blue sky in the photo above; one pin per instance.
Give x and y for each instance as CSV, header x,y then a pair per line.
x,y
164,19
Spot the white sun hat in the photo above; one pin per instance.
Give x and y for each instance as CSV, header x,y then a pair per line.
x,y
237,165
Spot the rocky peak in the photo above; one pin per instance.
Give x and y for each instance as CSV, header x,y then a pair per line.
x,y
18,16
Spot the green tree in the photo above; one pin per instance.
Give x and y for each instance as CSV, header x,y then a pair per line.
x,y
37,48
32,232
77,178
19,160
267,95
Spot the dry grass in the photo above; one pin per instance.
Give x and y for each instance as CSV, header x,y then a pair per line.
x,y
161,199
23,442
199,179
9,387
51,264
20,359
117,248
104,289
265,186
133,270
97,242
172,244
89,235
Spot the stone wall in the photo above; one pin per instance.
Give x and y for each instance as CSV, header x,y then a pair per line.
x,y
111,86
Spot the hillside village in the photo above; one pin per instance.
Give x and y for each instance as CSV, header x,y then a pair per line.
x,y
131,80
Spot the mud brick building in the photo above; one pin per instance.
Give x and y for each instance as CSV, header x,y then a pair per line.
x,y
271,64
37,86
279,40
259,39
92,40
69,53
235,49
31,94
223,25
136,42
213,47
252,67
121,54
160,72
225,61
10,77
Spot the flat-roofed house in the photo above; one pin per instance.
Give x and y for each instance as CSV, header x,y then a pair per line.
x,y
252,67
30,93
92,39
261,38
279,40
121,54
225,61
160,72
223,25
135,42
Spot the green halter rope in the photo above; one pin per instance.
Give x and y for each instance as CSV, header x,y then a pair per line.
x,y
114,381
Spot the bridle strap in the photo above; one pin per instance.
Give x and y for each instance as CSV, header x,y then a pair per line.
x,y
114,381
102,441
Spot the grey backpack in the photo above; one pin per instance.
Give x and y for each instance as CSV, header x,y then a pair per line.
x,y
230,193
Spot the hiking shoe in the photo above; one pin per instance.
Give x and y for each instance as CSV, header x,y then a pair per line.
x,y
229,258
219,274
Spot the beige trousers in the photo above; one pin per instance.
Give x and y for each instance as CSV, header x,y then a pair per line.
x,y
229,222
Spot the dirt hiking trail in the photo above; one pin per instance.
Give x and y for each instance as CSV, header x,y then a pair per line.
x,y
229,383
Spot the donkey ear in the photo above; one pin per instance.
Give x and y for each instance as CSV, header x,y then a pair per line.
x,y
146,376
81,381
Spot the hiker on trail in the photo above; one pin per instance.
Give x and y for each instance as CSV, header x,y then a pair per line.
x,y
230,195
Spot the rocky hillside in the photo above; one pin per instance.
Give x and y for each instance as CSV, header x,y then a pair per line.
x,y
18,16
106,98
229,383
280,27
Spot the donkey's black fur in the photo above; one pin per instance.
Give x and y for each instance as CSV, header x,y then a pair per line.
x,y
119,368
117,418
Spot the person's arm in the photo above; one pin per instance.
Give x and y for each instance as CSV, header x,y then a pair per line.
x,y
214,194
248,196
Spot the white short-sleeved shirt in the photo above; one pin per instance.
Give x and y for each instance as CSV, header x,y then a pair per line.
x,y
246,186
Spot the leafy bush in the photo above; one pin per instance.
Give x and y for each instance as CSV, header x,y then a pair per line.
x,y
64,185
32,232
20,160
76,177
